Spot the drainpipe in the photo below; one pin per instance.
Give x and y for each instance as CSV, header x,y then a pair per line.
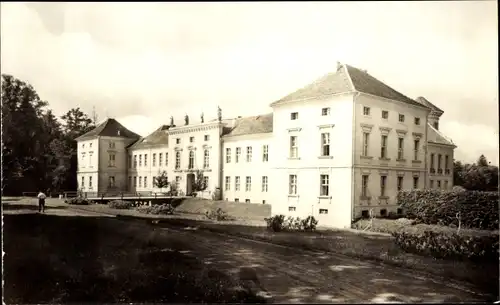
x,y
353,178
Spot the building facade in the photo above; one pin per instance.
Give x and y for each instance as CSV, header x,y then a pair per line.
x,y
336,149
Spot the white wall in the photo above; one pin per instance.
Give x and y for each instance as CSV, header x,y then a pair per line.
x,y
119,170
88,165
440,179
309,165
256,169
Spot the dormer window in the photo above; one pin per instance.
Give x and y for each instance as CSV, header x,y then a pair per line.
x,y
294,116
436,125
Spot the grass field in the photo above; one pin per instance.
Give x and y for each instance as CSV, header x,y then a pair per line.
x,y
54,259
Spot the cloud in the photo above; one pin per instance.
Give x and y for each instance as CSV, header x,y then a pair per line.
x,y
155,60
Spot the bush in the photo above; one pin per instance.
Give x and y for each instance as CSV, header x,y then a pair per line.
x,y
278,223
78,201
159,209
218,215
449,246
120,204
476,209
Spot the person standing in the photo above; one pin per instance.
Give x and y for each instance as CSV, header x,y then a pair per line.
x,y
41,202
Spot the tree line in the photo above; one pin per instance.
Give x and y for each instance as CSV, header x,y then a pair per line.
x,y
478,176
38,149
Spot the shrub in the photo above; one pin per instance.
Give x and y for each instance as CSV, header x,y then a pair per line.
x,y
449,246
120,204
278,223
78,201
476,209
218,215
159,209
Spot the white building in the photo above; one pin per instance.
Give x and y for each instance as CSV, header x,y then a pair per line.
x,y
335,149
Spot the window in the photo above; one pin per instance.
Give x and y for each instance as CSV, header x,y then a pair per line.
x,y
383,147
400,183
112,159
248,184
417,121
178,141
325,144
237,183
294,116
83,159
160,159
323,211
145,160
249,154
112,145
247,200
111,181
166,159
366,140
238,154
236,200
83,182
90,145
292,185
401,145
263,202
177,160
291,209
129,182
205,181
436,125
364,186
154,159
432,184
140,181
366,110
446,166
129,160
445,184
383,180
206,137
439,184
206,159
83,145
432,164
365,213
140,160
228,183
293,147
385,114
177,180
90,158
325,184
401,118
228,155
400,211
265,153
439,164
416,147
383,212
135,181
264,184
191,159
145,181
325,111
191,139
135,161
415,182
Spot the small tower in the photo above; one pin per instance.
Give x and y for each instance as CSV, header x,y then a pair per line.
x,y
435,114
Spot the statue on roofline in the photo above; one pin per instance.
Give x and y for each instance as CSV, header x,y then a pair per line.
x,y
202,119
171,121
219,113
186,120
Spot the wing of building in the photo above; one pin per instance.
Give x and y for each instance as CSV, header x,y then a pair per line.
x,y
339,148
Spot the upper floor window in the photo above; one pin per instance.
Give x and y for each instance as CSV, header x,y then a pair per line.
x,y
292,185
401,118
145,181
83,145
237,183
248,184
401,148
177,160
294,148
90,182
264,184
111,181
112,158
238,154
228,155
206,158
166,159
383,180
191,139
383,146
415,182
417,121
154,159
364,185
112,144
366,110
90,145
191,159
400,183
294,116
83,182
325,111
325,185
385,114
416,148
432,163
325,144
265,153
249,154
178,141
140,160
160,159
227,186
436,125
366,141
145,160
135,161
206,137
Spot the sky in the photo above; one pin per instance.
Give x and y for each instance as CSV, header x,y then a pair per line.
x,y
144,62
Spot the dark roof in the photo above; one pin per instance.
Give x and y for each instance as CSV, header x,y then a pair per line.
x,y
158,137
436,136
422,100
251,125
347,79
109,128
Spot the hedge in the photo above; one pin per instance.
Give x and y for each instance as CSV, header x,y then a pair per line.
x,y
120,204
159,209
450,246
476,209
279,223
78,201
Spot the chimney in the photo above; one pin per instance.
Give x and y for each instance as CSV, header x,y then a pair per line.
x,y
339,65
118,132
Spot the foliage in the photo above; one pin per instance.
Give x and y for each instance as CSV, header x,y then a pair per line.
x,y
174,189
219,215
451,246
279,223
120,204
199,184
474,209
161,181
479,176
158,209
78,201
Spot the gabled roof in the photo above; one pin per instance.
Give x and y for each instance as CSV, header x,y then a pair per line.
x,y
251,125
347,79
422,100
157,137
109,128
436,136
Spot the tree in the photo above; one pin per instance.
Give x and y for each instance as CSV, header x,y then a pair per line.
x,y
161,181
199,184
480,176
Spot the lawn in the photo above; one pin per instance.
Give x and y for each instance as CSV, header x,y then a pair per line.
x,y
52,259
